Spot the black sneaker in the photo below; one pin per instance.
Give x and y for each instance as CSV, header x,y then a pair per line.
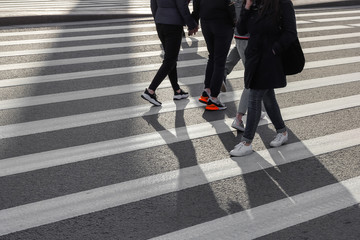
x,y
213,105
151,98
180,95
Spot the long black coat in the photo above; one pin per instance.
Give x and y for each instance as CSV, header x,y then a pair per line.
x,y
263,68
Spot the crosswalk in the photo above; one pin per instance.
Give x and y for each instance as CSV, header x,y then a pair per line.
x,y
75,7
84,157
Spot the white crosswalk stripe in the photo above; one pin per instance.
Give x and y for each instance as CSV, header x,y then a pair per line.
x,y
80,148
86,6
139,189
128,144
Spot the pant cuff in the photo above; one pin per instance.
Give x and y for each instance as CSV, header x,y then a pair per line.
x,y
281,130
244,139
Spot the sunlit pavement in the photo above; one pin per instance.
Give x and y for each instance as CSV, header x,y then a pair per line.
x,y
45,11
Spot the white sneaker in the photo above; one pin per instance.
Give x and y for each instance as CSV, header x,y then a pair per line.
x,y
239,125
241,150
279,140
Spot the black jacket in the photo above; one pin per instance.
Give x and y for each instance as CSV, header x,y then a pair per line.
x,y
263,68
218,10
174,12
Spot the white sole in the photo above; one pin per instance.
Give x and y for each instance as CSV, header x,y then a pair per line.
x,y
240,129
177,97
241,155
149,99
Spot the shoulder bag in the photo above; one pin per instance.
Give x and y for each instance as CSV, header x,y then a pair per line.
x,y
293,59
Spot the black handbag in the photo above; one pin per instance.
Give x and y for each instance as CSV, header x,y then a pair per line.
x,y
293,59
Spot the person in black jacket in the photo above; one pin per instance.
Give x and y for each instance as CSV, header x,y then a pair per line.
x,y
170,16
217,22
272,28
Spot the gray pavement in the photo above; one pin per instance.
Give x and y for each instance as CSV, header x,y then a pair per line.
x,y
17,12
45,11
83,156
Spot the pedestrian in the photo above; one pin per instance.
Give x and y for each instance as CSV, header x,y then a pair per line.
x,y
217,23
237,53
170,16
272,28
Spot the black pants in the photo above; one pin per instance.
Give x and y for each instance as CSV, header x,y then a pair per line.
x,y
170,37
218,36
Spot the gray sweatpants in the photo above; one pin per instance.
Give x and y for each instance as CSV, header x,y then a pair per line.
x,y
237,53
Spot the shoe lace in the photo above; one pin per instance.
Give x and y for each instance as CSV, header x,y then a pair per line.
x,y
217,102
240,144
278,137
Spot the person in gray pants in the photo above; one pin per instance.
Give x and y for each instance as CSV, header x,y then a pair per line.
x,y
237,53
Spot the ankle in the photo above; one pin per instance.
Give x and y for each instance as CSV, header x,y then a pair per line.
x,y
151,91
208,91
239,116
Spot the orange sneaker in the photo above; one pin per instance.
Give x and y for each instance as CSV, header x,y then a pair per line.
x,y
204,97
213,105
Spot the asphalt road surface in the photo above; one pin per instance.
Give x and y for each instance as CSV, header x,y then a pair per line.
x,y
83,156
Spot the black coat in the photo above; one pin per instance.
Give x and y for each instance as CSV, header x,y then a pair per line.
x,y
174,12
218,10
263,68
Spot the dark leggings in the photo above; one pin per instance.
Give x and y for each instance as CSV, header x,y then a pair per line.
x,y
170,37
218,36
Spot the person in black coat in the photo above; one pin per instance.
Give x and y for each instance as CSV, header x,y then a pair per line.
x,y
272,28
170,16
217,22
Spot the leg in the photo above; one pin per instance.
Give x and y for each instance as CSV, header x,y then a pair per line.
x,y
243,105
274,113
209,39
254,113
242,109
273,110
174,78
241,46
170,37
232,59
244,99
223,37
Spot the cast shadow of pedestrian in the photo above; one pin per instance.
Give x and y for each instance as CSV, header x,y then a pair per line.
x,y
194,204
280,173
220,120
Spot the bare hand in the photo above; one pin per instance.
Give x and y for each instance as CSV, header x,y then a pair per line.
x,y
193,31
248,4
